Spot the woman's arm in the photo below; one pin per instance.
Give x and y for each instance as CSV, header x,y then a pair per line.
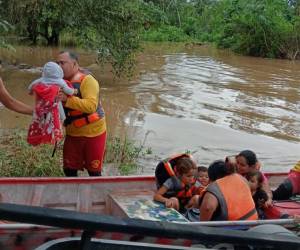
x,y
12,103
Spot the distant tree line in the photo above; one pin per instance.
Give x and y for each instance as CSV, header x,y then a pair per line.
x,y
266,28
112,28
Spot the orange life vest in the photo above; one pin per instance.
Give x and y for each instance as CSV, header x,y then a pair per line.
x,y
78,118
167,163
165,169
186,193
234,197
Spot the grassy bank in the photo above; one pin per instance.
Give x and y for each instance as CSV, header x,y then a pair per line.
x,y
18,159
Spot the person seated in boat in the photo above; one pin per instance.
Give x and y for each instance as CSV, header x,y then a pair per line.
x,y
227,197
230,162
167,167
202,179
178,189
246,162
290,186
46,125
259,196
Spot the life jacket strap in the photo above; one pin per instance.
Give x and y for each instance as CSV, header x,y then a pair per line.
x,y
81,120
169,168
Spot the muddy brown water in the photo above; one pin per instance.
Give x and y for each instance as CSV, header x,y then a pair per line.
x,y
187,98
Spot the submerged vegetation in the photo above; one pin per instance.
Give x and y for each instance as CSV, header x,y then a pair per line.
x,y
114,29
19,159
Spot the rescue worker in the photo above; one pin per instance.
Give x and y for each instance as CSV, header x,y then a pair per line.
x,y
227,197
85,141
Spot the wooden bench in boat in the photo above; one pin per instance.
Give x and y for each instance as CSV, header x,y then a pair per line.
x,y
140,205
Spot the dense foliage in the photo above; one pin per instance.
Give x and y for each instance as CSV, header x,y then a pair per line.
x,y
110,27
267,28
19,159
258,27
4,28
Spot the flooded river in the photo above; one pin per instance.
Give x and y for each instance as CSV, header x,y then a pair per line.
x,y
210,102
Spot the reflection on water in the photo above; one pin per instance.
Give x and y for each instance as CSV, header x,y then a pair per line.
x,y
207,89
200,99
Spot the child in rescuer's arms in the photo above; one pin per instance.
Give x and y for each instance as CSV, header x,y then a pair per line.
x,y
176,192
48,114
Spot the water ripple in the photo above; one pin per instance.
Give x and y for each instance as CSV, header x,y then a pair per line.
x,y
253,98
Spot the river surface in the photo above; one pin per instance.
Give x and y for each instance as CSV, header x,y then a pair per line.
x,y
199,99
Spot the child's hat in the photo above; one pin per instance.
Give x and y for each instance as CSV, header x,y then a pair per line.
x,y
52,73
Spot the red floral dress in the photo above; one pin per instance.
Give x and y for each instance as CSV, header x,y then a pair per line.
x,y
46,126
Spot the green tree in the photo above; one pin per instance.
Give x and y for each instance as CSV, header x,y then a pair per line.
x,y
4,29
112,28
267,28
39,18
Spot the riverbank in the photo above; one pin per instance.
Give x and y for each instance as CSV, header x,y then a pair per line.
x,y
19,159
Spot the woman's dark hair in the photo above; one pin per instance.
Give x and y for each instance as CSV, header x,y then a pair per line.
x,y
217,170
250,157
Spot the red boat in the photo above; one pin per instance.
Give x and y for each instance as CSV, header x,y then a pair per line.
x,y
98,195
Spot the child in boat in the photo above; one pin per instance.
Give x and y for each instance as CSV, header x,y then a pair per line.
x,y
247,162
290,186
192,212
255,179
202,179
48,112
177,190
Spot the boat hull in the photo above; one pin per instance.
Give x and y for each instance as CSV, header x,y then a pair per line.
x,y
85,194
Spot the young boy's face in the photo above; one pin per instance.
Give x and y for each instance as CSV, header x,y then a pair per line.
x,y
203,178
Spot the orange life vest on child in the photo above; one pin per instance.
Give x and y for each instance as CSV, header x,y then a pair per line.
x,y
79,118
165,168
234,197
187,191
